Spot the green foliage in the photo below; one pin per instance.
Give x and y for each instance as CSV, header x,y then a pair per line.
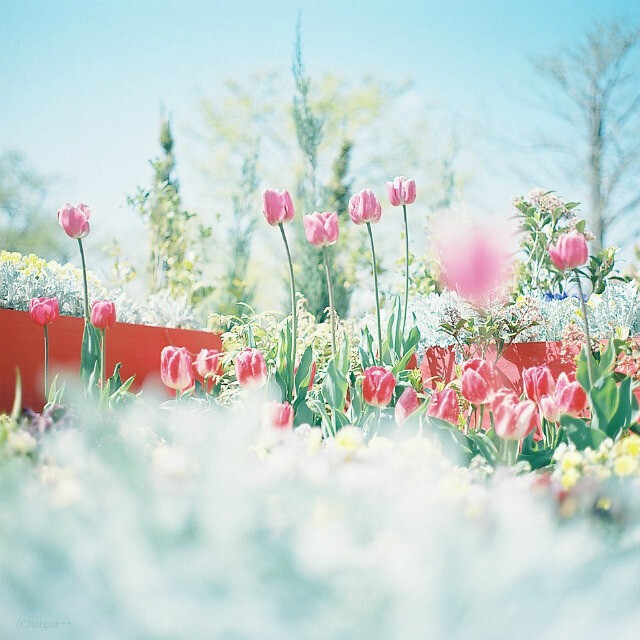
x,y
176,240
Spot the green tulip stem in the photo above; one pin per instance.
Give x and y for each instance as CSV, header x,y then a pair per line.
x,y
406,268
84,279
294,337
375,285
46,362
332,310
587,334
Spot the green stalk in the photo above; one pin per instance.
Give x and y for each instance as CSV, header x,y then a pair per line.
x,y
375,285
406,268
46,362
332,309
292,362
583,306
84,279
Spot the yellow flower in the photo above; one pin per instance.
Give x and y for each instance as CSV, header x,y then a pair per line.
x,y
631,445
349,438
625,465
570,460
570,477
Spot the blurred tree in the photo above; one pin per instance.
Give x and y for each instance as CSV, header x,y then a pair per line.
x,y
176,240
595,91
26,225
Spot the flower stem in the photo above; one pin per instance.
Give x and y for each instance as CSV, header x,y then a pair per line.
x,y
103,357
46,362
294,330
586,329
406,268
84,279
332,310
375,285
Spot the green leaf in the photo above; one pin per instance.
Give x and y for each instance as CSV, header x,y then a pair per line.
x,y
304,370
582,370
580,434
90,355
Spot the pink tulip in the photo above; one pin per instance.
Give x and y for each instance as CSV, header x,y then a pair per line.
x,y
103,314
515,420
480,381
444,405
364,207
75,220
176,368
251,369
44,311
378,386
570,396
208,363
321,229
549,408
570,251
277,206
475,261
538,382
407,404
276,415
401,191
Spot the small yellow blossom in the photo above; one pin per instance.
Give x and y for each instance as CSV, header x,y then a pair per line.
x,y
570,477
570,460
625,465
349,438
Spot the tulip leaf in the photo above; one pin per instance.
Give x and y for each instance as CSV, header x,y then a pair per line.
x,y
582,370
580,434
303,373
90,355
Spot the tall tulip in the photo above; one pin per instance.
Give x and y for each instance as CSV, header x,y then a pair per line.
x,y
378,386
75,222
251,369
321,230
402,191
44,311
176,368
277,207
568,253
103,316
364,208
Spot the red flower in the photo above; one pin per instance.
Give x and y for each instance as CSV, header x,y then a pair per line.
x,y
103,314
44,311
276,415
251,369
480,381
407,403
538,382
444,405
378,386
570,396
176,368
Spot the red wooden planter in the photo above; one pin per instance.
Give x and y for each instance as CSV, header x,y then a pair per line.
x,y
439,362
138,347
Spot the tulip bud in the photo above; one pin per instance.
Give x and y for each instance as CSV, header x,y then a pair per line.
x,y
103,314
277,206
479,381
208,363
570,396
570,251
538,382
378,386
44,311
364,207
401,191
444,405
251,369
176,368
276,415
407,404
321,229
75,220
312,374
515,420
549,409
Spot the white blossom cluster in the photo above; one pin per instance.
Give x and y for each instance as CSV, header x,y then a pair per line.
x,y
184,524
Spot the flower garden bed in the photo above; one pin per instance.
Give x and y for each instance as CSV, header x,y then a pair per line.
x,y
137,347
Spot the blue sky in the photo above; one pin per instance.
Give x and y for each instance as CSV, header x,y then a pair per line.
x,y
82,81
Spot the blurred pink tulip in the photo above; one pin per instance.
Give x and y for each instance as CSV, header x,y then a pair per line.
x,y
321,229
74,220
103,314
251,369
407,404
549,408
276,415
208,363
444,405
570,251
277,206
176,368
401,191
44,311
364,207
